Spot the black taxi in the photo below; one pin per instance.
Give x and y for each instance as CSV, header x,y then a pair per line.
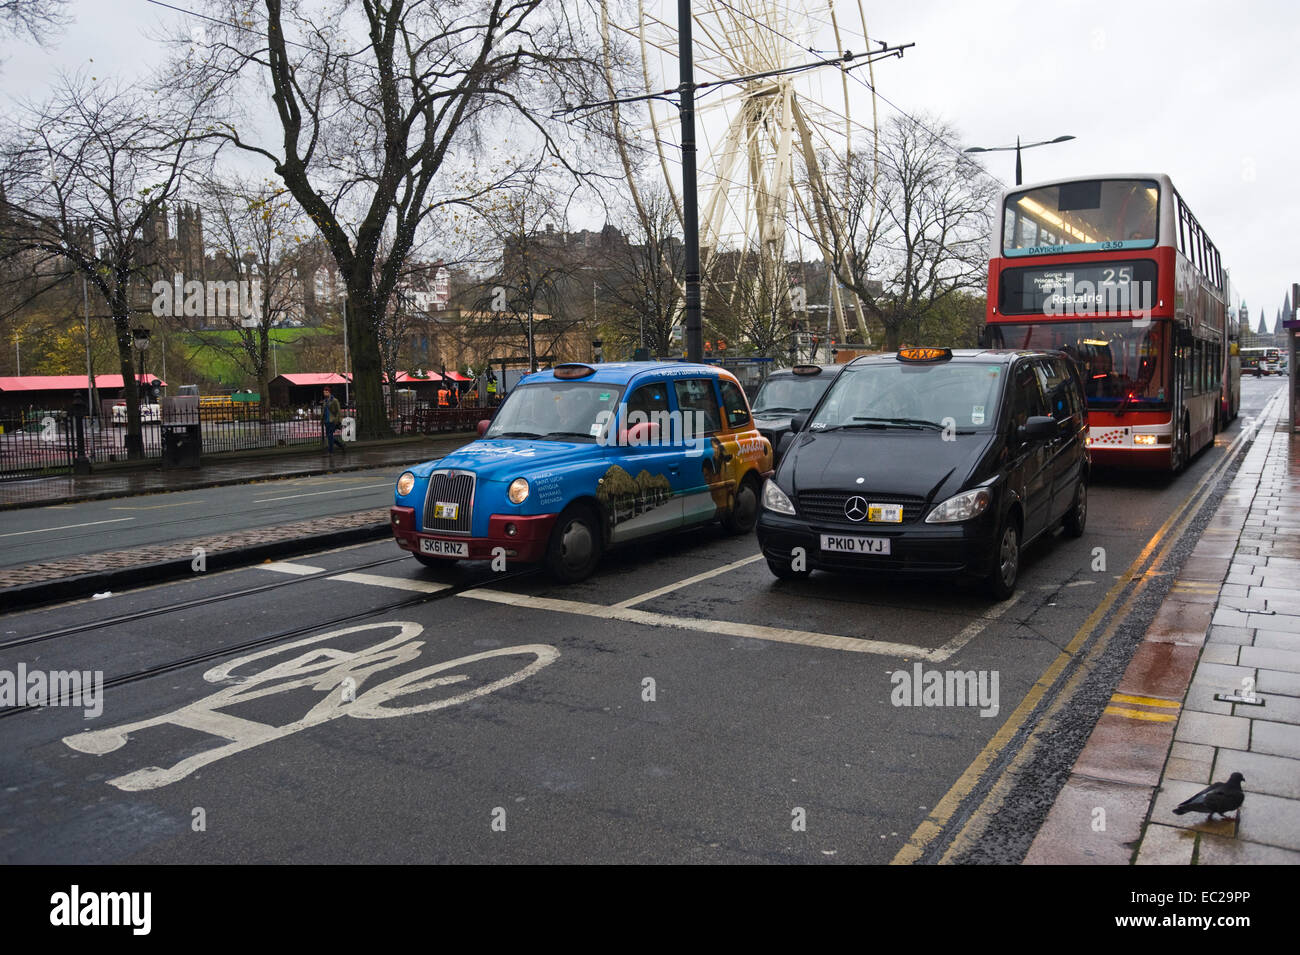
x,y
787,393
932,461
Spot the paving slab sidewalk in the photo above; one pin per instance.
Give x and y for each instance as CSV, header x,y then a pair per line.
x,y
1230,626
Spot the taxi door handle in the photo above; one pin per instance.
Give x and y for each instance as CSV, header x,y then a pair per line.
x,y
674,468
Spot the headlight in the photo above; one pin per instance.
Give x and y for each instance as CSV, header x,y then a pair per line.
x,y
405,483
518,492
961,507
775,499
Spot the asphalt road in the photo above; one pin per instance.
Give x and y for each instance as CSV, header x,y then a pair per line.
x,y
682,705
87,527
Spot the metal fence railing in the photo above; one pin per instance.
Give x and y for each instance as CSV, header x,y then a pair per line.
x,y
35,443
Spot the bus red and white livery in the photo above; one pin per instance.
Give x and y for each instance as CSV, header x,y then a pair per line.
x,y
1116,272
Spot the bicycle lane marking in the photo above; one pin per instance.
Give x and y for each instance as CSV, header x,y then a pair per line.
x,y
339,674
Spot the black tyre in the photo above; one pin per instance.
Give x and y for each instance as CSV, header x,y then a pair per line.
x,y
1005,569
744,508
1181,450
575,546
1076,519
784,570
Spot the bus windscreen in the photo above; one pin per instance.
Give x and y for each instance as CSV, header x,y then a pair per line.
x,y
1084,216
1121,362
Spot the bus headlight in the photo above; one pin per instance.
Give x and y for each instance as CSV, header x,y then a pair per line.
x,y
1144,439
518,492
405,483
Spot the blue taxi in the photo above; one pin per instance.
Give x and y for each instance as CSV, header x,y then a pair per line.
x,y
580,458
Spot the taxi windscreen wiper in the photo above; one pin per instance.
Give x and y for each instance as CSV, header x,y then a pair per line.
x,y
777,409
567,434
896,422
513,434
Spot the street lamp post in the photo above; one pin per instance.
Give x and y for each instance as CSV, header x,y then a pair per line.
x,y
1017,147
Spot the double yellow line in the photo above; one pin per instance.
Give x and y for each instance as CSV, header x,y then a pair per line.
x,y
928,833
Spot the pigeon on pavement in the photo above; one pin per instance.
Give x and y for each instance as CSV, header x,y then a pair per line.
x,y
1219,798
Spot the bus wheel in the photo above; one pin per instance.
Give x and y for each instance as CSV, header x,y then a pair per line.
x,y
1181,450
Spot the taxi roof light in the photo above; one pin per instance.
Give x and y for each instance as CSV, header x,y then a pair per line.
x,y
924,354
807,370
572,370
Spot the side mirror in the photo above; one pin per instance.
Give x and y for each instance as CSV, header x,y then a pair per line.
x,y
797,423
1039,428
483,426
783,446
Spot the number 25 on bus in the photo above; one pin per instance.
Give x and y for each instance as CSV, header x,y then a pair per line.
x,y
1117,273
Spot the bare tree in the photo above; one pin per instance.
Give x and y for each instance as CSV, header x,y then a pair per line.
x,y
647,274
371,133
919,235
86,176
535,270
38,19
255,231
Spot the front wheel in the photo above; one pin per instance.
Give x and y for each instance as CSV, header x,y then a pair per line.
x,y
1077,517
1001,581
575,546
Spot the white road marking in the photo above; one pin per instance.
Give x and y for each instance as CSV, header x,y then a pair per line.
x,y
340,676
827,641
154,507
284,567
398,583
976,627
370,580
337,490
651,594
64,527
807,638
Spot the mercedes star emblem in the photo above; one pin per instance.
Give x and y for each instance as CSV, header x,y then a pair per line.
x,y
855,508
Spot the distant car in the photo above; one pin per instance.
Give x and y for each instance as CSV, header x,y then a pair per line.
x,y
149,414
932,462
786,393
580,458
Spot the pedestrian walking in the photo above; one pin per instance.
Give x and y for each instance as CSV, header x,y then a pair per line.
x,y
331,419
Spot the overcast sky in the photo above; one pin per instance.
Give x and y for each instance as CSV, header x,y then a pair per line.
x,y
1205,92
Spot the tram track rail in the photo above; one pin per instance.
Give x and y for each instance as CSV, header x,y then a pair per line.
x,y
217,653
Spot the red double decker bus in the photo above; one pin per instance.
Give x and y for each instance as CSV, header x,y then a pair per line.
x,y
1116,272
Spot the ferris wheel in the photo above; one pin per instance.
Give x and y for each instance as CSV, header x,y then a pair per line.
x,y
768,146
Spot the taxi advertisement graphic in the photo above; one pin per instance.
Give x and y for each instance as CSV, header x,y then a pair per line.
x,y
580,458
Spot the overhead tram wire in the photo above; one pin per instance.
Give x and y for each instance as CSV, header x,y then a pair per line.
x,y
854,76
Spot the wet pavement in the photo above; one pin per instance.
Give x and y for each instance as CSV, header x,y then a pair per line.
x,y
218,471
84,574
1230,627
